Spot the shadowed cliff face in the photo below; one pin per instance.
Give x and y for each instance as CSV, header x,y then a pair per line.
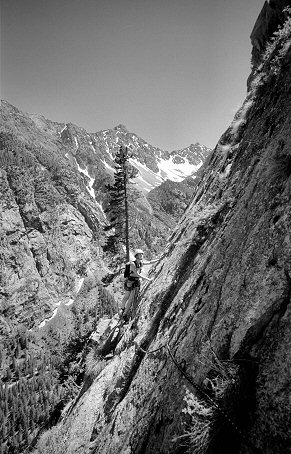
x,y
219,304
270,18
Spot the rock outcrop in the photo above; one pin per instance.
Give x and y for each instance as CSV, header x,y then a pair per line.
x,y
209,369
270,18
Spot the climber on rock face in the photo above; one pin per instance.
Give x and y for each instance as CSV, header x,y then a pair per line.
x,y
133,274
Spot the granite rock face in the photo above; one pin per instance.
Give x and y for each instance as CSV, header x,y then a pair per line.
x,y
23,295
42,254
213,339
49,228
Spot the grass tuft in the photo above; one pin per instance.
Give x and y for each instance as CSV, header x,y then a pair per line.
x,y
196,437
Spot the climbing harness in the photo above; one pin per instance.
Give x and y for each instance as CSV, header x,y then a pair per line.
x,y
127,272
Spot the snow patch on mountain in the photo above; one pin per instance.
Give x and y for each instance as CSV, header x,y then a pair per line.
x,y
146,179
153,164
89,187
168,170
44,322
78,285
176,171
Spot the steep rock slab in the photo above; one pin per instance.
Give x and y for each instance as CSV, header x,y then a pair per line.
x,y
221,302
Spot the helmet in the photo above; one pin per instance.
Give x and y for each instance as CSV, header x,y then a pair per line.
x,y
138,251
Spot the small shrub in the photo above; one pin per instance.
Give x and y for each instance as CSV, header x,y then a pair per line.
x,y
197,435
206,422
275,51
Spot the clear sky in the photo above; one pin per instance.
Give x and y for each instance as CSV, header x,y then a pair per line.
x,y
172,71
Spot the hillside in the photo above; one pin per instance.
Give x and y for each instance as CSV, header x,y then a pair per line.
x,y
208,368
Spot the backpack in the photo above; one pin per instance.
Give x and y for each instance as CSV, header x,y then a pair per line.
x,y
126,273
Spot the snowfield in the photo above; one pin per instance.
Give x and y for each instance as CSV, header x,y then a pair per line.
x,y
168,170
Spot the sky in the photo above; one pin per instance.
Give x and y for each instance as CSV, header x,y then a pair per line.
x,y
173,72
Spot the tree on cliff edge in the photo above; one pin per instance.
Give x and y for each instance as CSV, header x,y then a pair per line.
x,y
118,207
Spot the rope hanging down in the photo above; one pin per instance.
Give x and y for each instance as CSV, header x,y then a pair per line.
x,y
206,396
197,387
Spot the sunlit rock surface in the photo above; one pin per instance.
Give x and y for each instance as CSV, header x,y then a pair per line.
x,y
219,306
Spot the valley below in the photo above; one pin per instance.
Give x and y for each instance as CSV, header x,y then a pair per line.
x,y
203,365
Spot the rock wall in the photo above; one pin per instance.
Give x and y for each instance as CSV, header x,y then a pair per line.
x,y
42,251
209,367
270,18
49,226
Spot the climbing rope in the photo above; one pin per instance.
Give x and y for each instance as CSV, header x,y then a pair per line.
x,y
218,407
198,388
205,395
151,351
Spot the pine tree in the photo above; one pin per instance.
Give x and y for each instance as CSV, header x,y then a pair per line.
x,y
118,204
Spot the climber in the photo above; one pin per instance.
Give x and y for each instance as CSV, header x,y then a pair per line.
x,y
133,275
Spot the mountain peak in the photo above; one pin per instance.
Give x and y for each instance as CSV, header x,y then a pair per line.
x,y
120,127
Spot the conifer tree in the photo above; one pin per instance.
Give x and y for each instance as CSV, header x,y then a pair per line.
x,y
118,204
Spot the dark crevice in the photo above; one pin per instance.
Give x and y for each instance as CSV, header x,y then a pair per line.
x,y
238,401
